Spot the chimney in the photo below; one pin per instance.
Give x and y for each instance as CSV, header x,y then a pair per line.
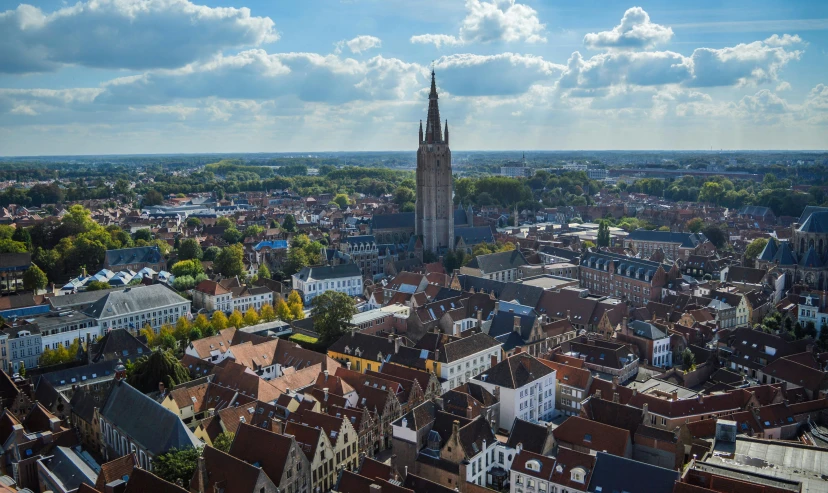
x,y
348,365
519,447
598,394
624,323
645,411
494,360
518,350
375,488
614,382
436,359
674,395
325,390
480,318
326,375
469,412
397,344
516,325
616,398
117,486
568,315
393,463
391,338
701,398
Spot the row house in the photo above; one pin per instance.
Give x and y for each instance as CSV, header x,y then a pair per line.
x,y
675,245
279,456
313,281
501,266
134,308
230,294
627,278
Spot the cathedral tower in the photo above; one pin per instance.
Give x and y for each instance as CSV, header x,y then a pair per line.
x,y
435,206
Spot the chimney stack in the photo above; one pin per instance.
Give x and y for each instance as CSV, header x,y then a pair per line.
x,y
348,365
480,318
598,394
326,375
516,325
616,398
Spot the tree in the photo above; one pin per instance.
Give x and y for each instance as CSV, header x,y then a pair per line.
x,y
603,234
264,272
187,268
96,285
34,279
218,321
230,262
296,260
11,246
289,223
332,312
695,225
585,245
296,306
201,323
22,370
189,248
283,311
195,334
267,313
251,317
342,200
177,465
193,222
754,249
142,234
21,235
224,440
224,222
404,195
232,235
688,360
152,197
182,328
149,334
160,366
236,319
716,235
211,253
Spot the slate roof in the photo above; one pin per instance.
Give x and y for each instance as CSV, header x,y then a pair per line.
x,y
68,467
593,435
150,424
613,473
515,372
15,261
532,436
686,240
370,346
259,446
329,272
474,235
357,240
143,481
496,262
624,266
769,252
466,346
784,254
806,213
114,345
125,256
127,301
646,330
811,259
392,221
83,405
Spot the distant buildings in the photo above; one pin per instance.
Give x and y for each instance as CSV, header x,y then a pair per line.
x,y
313,281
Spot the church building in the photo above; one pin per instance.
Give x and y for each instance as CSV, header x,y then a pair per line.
x,y
434,212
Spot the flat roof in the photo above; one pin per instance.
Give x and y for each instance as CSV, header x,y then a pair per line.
x,y
785,461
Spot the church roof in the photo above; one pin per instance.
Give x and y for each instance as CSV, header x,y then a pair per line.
x,y
400,220
811,259
817,222
785,255
769,251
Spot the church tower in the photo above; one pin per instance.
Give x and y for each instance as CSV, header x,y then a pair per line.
x,y
435,206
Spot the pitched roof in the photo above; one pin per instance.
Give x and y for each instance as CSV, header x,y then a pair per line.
x,y
135,255
532,436
686,240
267,449
143,481
147,422
322,273
119,468
495,262
127,301
227,474
614,473
515,372
593,435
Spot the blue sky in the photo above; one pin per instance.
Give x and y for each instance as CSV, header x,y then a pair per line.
x,y
163,76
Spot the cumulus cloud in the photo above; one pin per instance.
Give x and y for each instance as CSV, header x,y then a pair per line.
x,y
493,21
130,34
783,86
635,31
743,64
502,74
784,40
359,44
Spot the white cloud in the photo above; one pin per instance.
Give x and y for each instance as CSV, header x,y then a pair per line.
x,y
784,40
131,34
492,21
502,74
638,68
783,86
743,64
359,44
438,40
635,31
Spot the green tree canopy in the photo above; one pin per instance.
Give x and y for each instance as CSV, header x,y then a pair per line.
x,y
160,366
177,465
34,278
332,312
189,248
230,262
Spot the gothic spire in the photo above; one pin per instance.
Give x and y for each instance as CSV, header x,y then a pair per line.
x,y
433,133
421,132
446,137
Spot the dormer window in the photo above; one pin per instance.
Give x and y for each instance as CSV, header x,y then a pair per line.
x,y
533,465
